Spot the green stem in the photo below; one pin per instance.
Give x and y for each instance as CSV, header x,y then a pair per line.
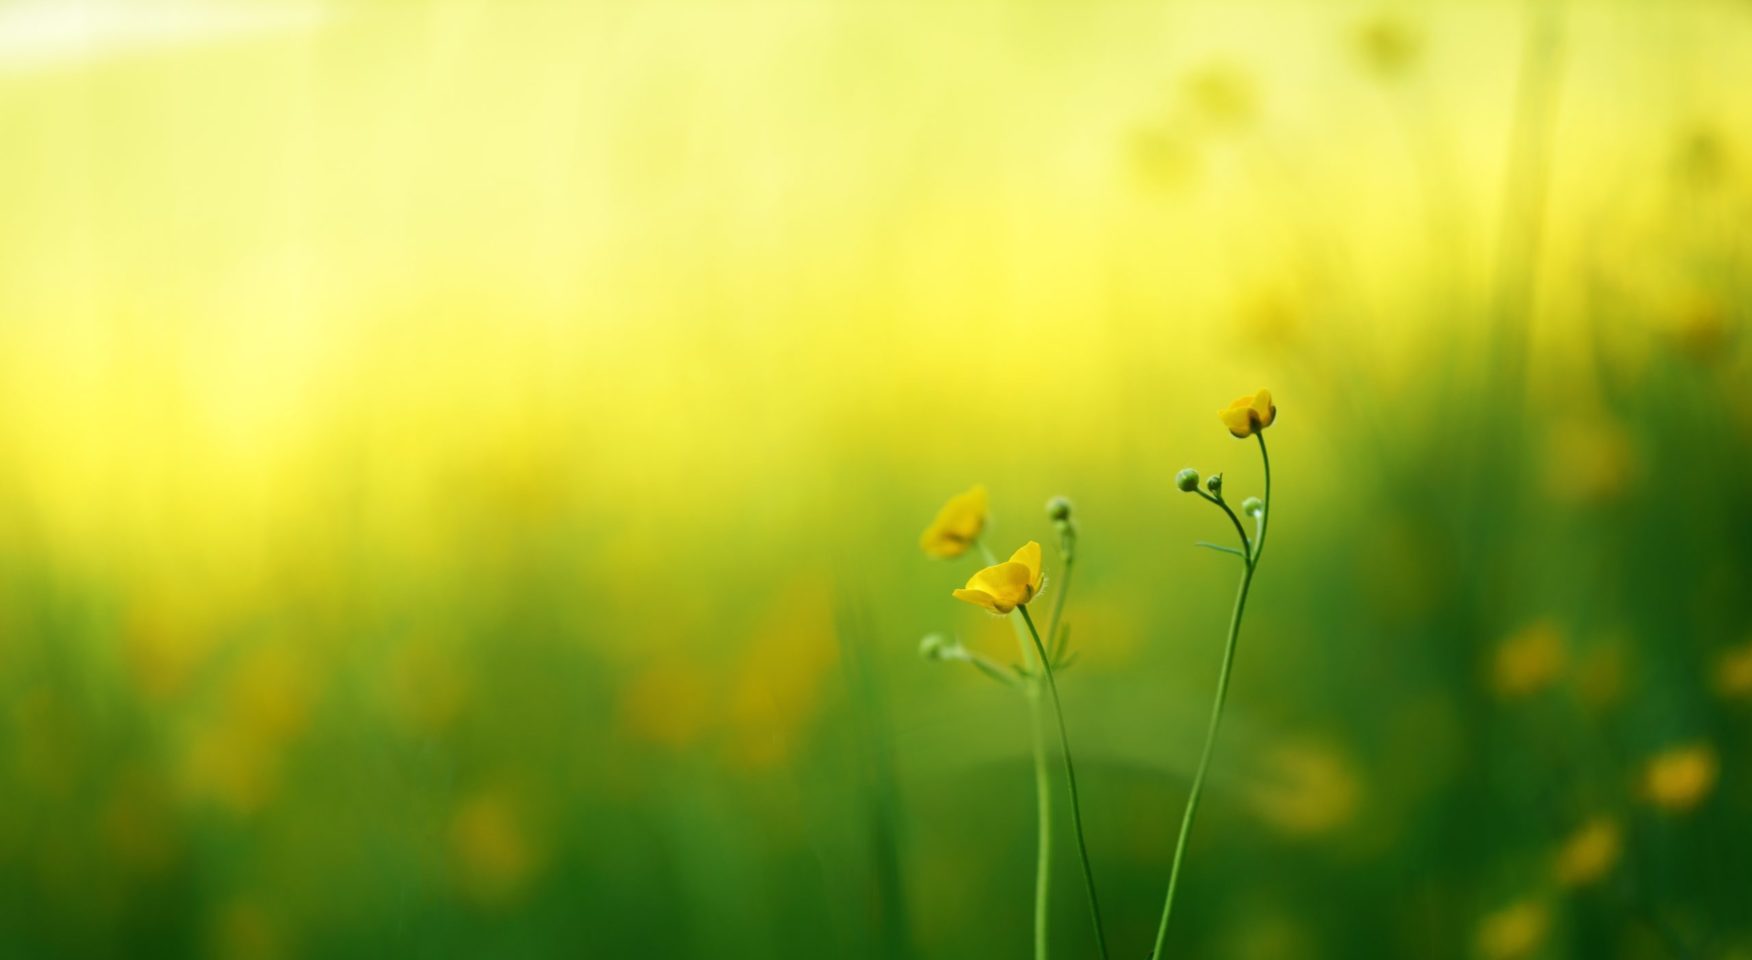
x,y
1246,545
1204,759
1058,601
1042,794
1070,780
1043,826
1264,518
1043,779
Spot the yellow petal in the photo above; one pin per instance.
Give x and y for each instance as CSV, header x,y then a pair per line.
x,y
1264,408
978,598
1008,584
1028,555
1239,419
942,545
957,525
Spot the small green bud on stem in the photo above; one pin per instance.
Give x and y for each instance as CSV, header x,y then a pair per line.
x,y
1186,480
935,646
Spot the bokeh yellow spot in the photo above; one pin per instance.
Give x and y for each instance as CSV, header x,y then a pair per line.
x,y
493,855
1515,931
223,766
138,823
165,637
1733,672
1602,674
1680,778
1703,329
243,930
1589,853
1529,660
1589,461
1306,789
1223,96
1388,46
425,688
668,704
775,687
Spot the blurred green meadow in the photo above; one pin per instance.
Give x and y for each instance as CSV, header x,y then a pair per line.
x,y
462,467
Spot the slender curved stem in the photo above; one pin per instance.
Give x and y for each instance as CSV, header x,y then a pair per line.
x,y
1204,760
1070,780
1042,780
1246,544
984,665
1043,825
1251,564
1042,793
1265,518
1058,602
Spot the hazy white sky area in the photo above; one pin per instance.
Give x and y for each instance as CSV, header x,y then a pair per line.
x,y
49,34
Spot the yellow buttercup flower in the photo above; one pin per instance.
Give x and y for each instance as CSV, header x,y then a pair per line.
x,y
958,525
1249,415
1005,586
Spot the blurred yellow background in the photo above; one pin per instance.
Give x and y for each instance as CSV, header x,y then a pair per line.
x,y
460,465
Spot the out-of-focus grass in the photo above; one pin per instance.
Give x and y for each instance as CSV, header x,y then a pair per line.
x,y
460,470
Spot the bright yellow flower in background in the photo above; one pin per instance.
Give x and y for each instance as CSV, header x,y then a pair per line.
x,y
1679,778
958,525
1005,586
1249,415
1590,853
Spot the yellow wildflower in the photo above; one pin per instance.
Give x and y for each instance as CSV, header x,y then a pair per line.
x,y
1249,415
1515,931
1679,778
1005,586
1529,660
1590,853
958,525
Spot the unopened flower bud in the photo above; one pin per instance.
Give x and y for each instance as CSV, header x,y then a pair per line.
x,y
1252,507
1215,484
1058,509
935,646
1186,480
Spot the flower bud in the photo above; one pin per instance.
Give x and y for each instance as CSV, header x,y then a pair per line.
x,y
1058,509
1252,507
935,646
1215,484
1186,480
